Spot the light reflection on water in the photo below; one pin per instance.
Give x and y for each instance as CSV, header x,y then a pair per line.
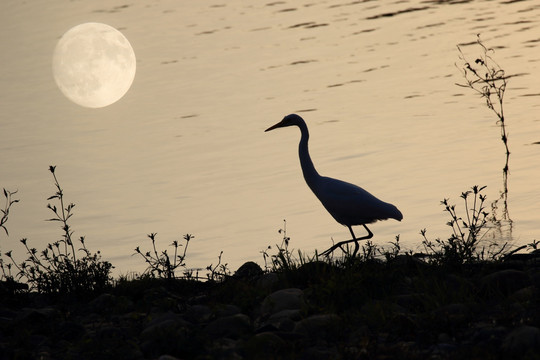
x,y
185,151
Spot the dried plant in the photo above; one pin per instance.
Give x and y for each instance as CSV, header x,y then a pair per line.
x,y
219,272
162,264
468,230
57,269
489,80
5,212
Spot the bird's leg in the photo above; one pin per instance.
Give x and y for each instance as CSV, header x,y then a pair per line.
x,y
356,246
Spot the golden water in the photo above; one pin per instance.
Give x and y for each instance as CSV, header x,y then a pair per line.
x,y
184,151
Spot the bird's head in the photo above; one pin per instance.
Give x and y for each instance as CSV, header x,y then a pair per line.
x,y
288,120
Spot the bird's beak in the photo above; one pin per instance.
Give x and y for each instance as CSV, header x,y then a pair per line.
x,y
279,124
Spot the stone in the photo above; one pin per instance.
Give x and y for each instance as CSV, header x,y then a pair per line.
x,y
70,330
107,304
223,310
233,327
39,316
197,313
526,294
412,302
265,345
164,335
249,270
284,320
319,353
524,340
284,299
267,281
321,326
504,282
167,357
157,319
453,314
489,334
404,324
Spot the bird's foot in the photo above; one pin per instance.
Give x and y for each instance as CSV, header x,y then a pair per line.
x,y
339,245
329,251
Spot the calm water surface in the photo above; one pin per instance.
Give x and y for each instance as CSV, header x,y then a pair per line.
x,y
185,150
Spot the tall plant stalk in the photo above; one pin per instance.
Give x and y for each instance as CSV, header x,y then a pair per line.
x,y
488,79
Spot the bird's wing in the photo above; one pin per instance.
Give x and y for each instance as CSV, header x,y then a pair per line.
x,y
350,204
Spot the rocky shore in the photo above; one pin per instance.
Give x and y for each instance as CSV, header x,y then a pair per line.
x,y
404,309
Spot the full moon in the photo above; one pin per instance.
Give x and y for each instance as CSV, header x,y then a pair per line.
x,y
94,65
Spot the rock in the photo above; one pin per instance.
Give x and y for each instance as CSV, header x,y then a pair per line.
x,y
285,299
489,334
375,311
404,324
267,281
412,302
166,334
504,282
103,301
70,331
224,348
408,261
232,327
532,257
167,357
458,284
159,330
249,270
10,286
442,350
453,314
526,294
39,316
284,320
314,270
169,316
197,313
524,340
535,276
226,310
319,353
107,304
266,345
323,326
159,298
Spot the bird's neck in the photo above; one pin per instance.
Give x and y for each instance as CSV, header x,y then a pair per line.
x,y
310,174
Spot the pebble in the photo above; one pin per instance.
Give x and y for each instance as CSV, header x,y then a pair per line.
x,y
504,282
233,326
265,345
524,340
320,326
284,320
284,299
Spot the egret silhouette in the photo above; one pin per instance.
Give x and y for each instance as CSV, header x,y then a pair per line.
x,y
348,204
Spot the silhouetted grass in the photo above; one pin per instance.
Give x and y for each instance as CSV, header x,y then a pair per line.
x,y
60,268
163,265
465,243
485,77
5,212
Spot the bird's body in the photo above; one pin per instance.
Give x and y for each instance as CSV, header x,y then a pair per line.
x,y
348,204
341,199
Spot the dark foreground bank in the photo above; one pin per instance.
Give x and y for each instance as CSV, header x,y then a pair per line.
x,y
403,309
